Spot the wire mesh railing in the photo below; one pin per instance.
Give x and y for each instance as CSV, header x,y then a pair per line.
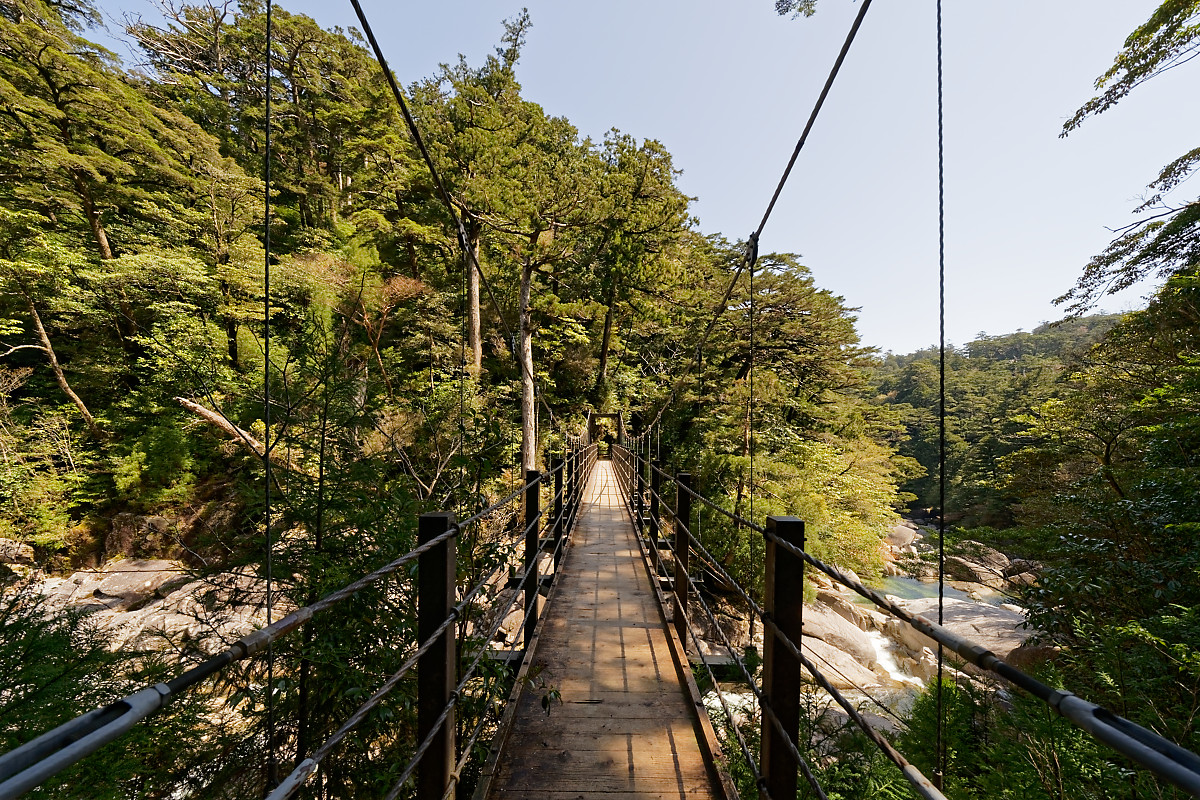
x,y
437,762
781,763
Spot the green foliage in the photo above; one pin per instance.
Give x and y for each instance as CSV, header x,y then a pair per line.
x,y
1162,242
56,666
132,331
993,384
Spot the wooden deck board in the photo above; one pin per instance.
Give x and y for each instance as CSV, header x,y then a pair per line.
x,y
626,727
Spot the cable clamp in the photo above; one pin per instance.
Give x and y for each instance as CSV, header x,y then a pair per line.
x,y
1056,697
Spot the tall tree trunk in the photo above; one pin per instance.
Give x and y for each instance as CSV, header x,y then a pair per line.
x,y
525,355
231,343
59,375
474,326
93,216
606,339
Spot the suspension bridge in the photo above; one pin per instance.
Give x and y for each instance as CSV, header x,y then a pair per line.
x,y
602,566
603,703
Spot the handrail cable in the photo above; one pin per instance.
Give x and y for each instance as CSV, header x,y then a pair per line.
x,y
824,660
763,705
750,760
305,769
750,254
272,762
707,560
434,731
697,496
914,776
1155,752
456,694
39,759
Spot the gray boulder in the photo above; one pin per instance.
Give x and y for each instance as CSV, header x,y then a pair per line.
x,y
842,670
1021,565
855,615
14,552
1023,579
997,629
980,553
132,535
902,534
822,622
962,569
138,602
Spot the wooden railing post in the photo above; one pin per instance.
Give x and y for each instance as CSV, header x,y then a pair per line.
x,y
655,487
782,671
558,466
640,490
572,486
436,569
533,513
683,540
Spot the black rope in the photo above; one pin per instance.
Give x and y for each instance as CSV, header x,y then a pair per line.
x,y
837,65
750,435
459,229
751,253
940,772
272,762
911,773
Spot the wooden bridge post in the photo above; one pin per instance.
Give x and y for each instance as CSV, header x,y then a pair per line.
x,y
782,671
436,570
637,480
572,485
640,490
655,526
558,466
683,539
533,513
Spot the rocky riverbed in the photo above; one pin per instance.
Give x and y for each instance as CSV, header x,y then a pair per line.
x,y
855,645
862,649
145,602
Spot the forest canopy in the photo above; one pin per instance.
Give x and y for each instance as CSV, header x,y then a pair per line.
x,y
147,379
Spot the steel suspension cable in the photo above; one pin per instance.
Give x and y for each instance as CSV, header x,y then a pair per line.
x,y
750,254
750,435
272,761
941,716
837,65
444,195
919,782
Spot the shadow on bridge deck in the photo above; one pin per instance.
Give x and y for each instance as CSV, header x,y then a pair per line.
x,y
628,725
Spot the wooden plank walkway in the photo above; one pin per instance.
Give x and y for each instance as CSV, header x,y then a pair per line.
x,y
627,726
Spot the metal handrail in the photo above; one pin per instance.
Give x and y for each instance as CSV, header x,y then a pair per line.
x,y
36,761
1154,752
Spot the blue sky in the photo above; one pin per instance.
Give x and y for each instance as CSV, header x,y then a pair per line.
x,y
727,86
